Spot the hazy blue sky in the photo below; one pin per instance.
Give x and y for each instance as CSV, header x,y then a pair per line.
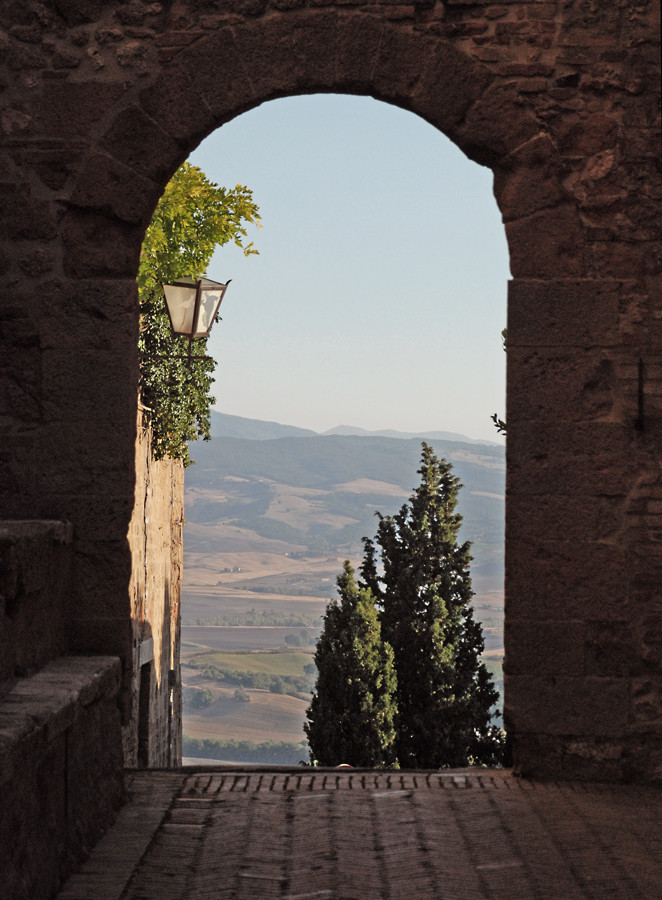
x,y
379,294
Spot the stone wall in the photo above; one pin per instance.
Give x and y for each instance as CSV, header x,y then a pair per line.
x,y
152,732
35,566
60,733
60,771
63,742
101,101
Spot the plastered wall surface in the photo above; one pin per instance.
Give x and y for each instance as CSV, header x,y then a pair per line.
x,y
99,102
155,539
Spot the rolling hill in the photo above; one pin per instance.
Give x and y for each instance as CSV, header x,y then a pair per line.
x,y
320,492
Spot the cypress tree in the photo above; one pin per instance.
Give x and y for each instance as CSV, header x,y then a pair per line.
x,y
444,693
351,715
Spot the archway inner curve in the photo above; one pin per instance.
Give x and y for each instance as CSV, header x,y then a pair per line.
x,y
224,73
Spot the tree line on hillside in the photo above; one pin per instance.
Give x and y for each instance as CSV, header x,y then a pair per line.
x,y
272,753
400,678
253,619
294,685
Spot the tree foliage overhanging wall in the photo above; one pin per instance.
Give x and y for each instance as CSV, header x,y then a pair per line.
x,y
193,217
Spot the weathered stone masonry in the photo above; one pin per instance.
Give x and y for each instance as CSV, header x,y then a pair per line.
x,y
101,101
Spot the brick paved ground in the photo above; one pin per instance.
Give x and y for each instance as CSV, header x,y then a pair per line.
x,y
329,834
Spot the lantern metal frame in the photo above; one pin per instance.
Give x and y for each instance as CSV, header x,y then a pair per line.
x,y
196,332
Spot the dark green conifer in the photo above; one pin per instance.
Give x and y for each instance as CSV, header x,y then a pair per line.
x,y
445,695
351,715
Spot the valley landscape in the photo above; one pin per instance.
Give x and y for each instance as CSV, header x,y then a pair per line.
x,y
272,511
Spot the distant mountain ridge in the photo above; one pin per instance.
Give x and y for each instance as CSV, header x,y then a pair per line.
x,y
408,435
324,461
227,426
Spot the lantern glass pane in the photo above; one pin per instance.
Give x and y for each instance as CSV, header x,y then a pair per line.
x,y
209,303
181,304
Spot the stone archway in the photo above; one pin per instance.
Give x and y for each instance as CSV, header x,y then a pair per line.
x,y
561,103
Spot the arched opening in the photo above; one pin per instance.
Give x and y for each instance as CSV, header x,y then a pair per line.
x,y
378,295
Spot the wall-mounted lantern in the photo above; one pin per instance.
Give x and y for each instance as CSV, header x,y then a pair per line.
x,y
192,307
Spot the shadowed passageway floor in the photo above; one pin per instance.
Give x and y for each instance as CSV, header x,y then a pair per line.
x,y
355,834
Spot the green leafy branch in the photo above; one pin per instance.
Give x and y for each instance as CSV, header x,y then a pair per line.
x,y
193,217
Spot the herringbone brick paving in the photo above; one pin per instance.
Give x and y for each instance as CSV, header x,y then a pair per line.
x,y
355,835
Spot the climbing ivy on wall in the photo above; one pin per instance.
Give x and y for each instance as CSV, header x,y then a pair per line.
x,y
193,217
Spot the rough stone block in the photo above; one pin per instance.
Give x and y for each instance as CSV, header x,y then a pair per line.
x,y
53,165
563,518
137,141
88,315
556,579
395,69
101,570
611,649
647,703
447,86
287,54
225,88
544,647
97,246
83,510
599,485
66,109
496,125
619,258
101,633
585,759
547,244
529,180
86,387
563,705
583,137
111,188
535,441
180,110
99,472
557,313
563,385
35,560
648,623
24,216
